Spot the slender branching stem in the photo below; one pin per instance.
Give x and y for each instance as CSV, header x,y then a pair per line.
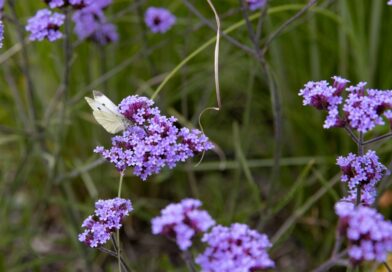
x,y
275,99
360,153
114,254
208,23
376,139
287,23
352,135
334,260
118,231
63,92
25,66
188,258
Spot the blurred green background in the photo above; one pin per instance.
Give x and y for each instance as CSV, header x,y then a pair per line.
x,y
51,179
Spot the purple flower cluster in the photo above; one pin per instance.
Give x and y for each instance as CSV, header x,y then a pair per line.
x,y
389,2
106,219
235,249
368,233
152,141
182,221
362,109
91,23
45,25
255,4
323,96
159,20
363,171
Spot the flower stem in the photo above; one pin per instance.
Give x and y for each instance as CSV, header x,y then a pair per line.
x,y
187,256
360,153
387,266
118,231
337,259
376,139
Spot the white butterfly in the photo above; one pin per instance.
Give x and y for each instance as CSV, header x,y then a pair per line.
x,y
106,113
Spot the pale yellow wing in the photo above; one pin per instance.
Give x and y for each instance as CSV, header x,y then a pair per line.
x,y
112,123
105,102
106,113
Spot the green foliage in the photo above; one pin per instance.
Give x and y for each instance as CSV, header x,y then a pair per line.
x,y
49,183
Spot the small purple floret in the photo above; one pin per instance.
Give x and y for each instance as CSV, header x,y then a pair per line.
x,y
106,219
159,20
368,233
182,221
45,25
235,249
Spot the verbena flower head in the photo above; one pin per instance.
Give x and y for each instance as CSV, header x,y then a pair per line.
x,y
369,235
323,96
45,25
106,219
235,249
90,23
152,141
389,2
159,19
362,109
364,171
255,4
182,221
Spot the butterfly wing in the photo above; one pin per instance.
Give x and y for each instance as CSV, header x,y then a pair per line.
x,y
110,122
105,102
106,113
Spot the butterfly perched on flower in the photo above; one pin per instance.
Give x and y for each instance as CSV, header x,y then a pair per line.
x,y
106,113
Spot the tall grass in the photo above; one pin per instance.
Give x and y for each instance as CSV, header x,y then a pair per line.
x,y
42,212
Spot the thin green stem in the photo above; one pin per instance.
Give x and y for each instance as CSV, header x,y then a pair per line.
x,y
360,153
334,260
118,230
187,256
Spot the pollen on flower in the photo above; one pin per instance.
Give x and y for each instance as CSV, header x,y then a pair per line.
x,y
182,221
